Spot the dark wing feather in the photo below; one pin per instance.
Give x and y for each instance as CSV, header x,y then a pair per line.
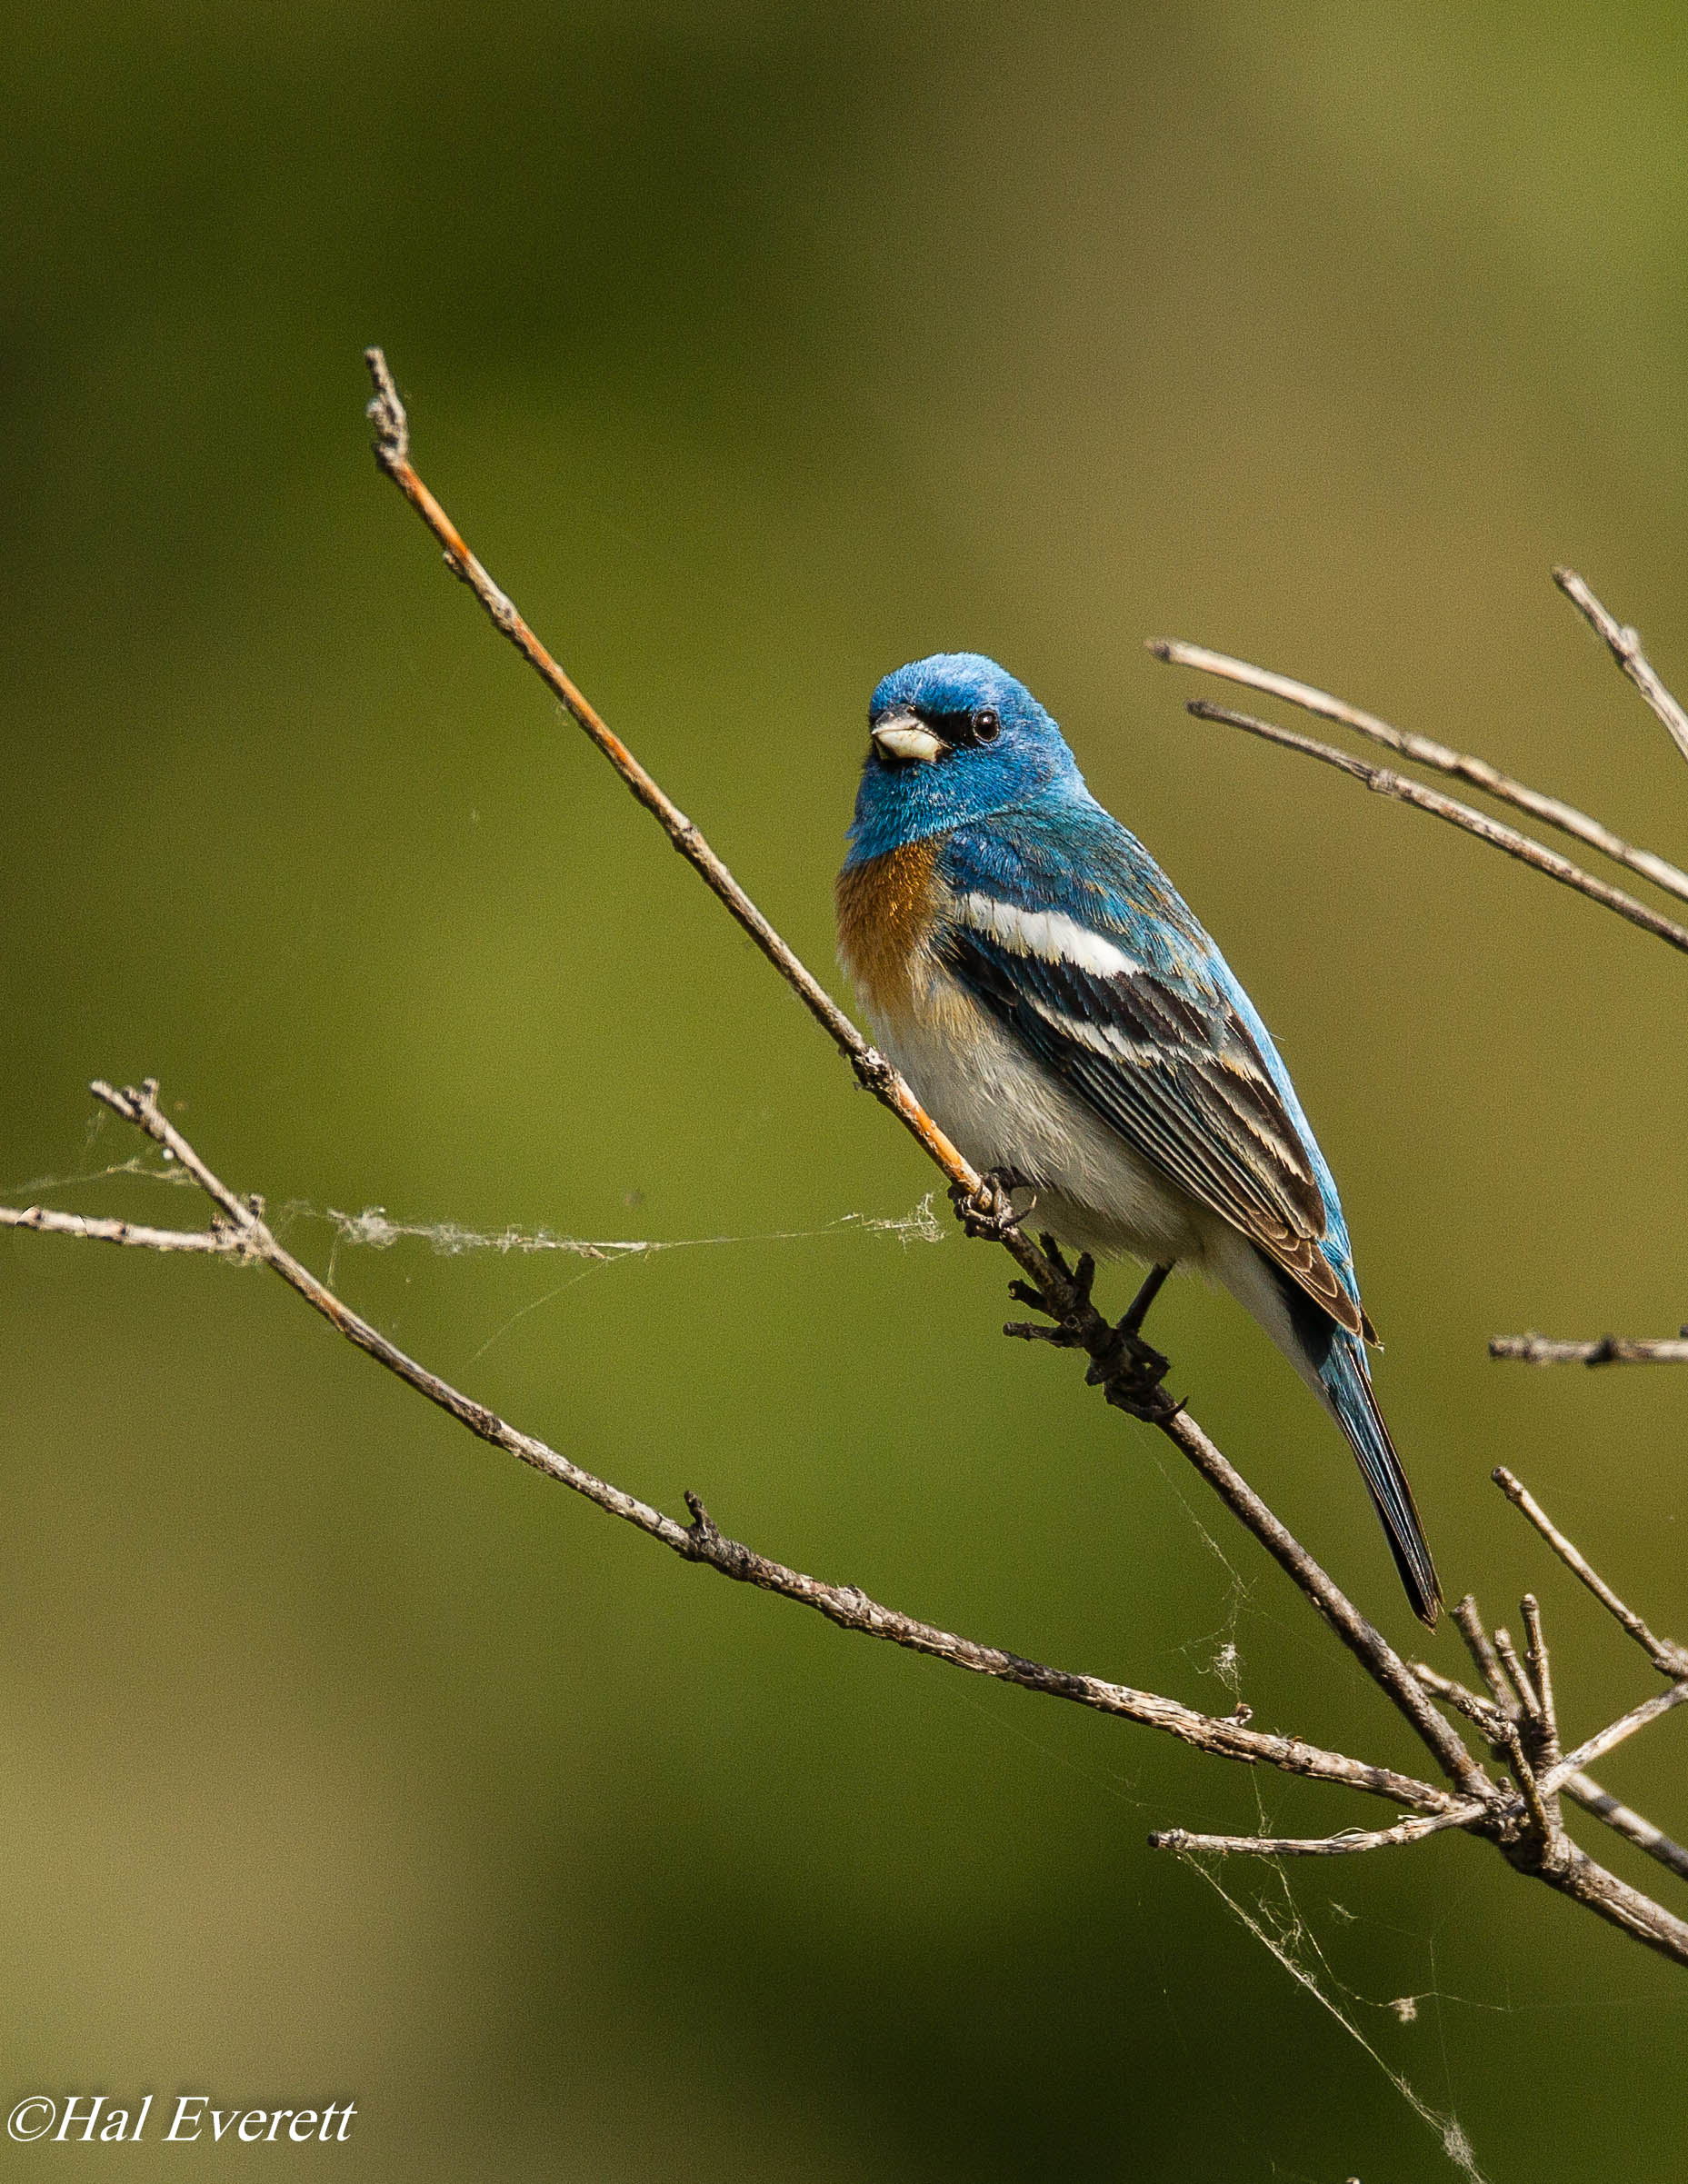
x,y
1178,1074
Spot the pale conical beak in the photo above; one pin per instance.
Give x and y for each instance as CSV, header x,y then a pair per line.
x,y
901,736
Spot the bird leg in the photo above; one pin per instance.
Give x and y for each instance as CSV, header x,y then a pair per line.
x,y
1133,1322
1127,1368
988,1212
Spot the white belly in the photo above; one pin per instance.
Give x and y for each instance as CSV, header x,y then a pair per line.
x,y
1089,1188
1002,1111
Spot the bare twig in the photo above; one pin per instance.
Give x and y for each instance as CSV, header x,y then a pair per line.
x,y
1578,1875
1342,1845
1624,644
1614,1733
1470,1626
1487,1716
1541,1675
1608,1350
219,1243
1505,1718
1528,1708
1546,1836
1542,1728
1388,783
1625,648
1424,751
1588,1794
1669,1658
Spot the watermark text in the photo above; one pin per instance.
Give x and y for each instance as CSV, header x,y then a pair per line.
x,y
182,2119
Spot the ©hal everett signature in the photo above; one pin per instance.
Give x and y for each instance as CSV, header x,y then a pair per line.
x,y
81,2119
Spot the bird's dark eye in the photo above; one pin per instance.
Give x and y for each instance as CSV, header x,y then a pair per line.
x,y
985,725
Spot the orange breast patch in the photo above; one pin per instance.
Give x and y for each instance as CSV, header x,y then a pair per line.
x,y
885,914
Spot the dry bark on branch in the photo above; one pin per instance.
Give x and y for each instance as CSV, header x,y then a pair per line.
x,y
1605,1349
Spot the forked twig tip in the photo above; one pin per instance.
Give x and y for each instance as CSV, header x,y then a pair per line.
x,y
385,412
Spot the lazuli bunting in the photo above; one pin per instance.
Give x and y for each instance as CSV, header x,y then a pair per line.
x,y
1061,1013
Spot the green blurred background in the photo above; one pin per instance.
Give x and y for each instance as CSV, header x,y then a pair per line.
x,y
759,350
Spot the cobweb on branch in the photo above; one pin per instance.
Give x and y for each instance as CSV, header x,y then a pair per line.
x,y
1275,1920
161,1169
376,1229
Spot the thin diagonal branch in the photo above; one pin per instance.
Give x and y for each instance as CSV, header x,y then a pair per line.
x,y
1669,1658
1368,1644
1588,1794
1487,1716
1607,1350
1614,1733
1624,644
1424,751
1385,782
392,453
1578,1875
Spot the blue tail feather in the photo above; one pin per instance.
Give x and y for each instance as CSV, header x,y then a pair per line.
x,y
1339,1360
1348,1384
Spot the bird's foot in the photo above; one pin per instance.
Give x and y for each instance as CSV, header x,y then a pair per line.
x,y
1077,1322
987,1213
1128,1369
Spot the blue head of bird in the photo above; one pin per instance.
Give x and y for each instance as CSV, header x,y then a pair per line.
x,y
950,739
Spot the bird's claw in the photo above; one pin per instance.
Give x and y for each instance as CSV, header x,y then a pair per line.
x,y
1080,1276
1130,1371
1074,1327
987,1211
1140,1360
